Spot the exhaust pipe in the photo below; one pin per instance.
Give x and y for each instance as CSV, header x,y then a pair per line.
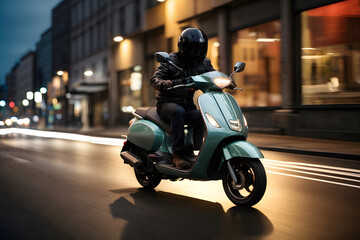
x,y
131,159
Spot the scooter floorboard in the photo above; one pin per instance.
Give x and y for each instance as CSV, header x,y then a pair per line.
x,y
172,167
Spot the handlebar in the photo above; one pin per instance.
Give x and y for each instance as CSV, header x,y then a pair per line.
x,y
181,85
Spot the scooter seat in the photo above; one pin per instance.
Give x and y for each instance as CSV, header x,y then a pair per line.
x,y
149,113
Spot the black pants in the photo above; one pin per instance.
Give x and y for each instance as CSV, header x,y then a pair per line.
x,y
178,116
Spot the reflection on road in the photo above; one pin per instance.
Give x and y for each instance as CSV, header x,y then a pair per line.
x,y
156,214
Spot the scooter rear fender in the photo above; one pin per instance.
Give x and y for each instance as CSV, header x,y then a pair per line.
x,y
147,135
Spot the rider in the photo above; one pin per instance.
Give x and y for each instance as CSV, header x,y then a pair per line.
x,y
176,106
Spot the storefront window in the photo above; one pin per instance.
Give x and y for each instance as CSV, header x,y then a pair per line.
x,y
331,54
260,48
213,51
130,89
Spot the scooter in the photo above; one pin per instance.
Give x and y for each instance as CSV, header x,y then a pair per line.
x,y
223,152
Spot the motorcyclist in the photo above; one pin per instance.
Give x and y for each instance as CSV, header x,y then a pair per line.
x,y
176,105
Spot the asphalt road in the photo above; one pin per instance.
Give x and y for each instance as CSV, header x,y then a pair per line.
x,y
63,189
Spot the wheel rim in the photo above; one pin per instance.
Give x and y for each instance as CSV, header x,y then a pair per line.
x,y
144,177
246,181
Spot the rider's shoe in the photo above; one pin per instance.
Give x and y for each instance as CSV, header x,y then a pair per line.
x,y
180,163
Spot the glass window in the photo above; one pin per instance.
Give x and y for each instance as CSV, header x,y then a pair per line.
x,y
213,52
73,50
331,54
137,14
130,85
94,38
260,48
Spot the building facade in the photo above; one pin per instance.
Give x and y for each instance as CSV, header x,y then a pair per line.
x,y
24,82
89,49
58,113
302,73
302,58
43,72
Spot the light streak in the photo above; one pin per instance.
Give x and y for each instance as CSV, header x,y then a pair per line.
x,y
65,136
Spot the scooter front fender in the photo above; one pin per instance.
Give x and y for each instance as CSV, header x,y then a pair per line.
x,y
242,149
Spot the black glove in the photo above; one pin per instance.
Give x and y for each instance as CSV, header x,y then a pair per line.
x,y
167,84
186,80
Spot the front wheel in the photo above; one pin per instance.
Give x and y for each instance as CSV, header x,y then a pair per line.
x,y
149,180
251,181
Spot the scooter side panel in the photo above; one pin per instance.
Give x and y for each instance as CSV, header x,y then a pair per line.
x,y
145,134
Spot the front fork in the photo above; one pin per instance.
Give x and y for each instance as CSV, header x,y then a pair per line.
x,y
228,165
231,172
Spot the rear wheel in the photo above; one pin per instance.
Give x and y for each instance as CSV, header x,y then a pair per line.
x,y
251,181
149,180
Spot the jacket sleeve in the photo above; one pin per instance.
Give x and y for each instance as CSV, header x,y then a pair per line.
x,y
160,80
208,66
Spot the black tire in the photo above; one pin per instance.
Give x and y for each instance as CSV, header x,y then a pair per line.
x,y
251,178
148,180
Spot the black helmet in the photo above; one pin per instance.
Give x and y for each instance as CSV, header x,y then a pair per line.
x,y
193,44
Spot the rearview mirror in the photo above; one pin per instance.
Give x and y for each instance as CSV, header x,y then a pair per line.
x,y
239,67
162,57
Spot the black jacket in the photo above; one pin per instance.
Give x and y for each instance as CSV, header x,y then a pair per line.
x,y
166,72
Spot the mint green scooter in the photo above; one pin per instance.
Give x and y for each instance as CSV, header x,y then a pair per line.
x,y
223,152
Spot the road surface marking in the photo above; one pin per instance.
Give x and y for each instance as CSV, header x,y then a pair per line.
x,y
315,174
21,160
315,179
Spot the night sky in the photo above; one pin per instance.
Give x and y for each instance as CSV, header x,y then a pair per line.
x,y
21,24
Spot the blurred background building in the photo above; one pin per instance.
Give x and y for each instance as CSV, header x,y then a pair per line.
x,y
302,75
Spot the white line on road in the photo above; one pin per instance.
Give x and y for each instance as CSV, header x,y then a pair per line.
x,y
311,173
315,179
21,160
345,173
267,160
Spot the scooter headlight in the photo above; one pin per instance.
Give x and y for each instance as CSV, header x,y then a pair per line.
x,y
212,120
222,82
235,125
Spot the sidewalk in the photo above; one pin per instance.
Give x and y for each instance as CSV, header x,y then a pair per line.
x,y
279,143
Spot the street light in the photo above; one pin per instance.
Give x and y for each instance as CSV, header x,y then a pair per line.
x,y
25,102
11,104
30,95
118,39
38,97
60,73
43,90
88,73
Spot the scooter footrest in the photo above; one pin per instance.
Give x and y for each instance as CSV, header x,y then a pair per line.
x,y
154,158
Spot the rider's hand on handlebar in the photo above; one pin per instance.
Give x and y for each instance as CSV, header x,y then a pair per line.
x,y
232,84
169,84
182,81
187,80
